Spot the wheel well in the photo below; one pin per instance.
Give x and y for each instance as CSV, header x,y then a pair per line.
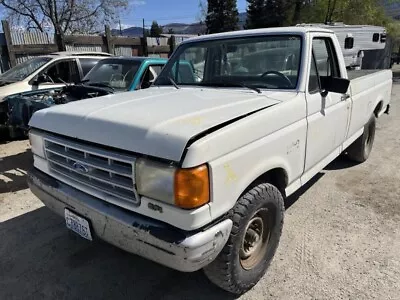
x,y
378,109
277,177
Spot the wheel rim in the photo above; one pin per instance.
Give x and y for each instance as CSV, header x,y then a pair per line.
x,y
255,240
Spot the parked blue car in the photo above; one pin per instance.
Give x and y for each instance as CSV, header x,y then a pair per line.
x,y
110,75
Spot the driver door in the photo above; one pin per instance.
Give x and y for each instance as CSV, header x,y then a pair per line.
x,y
327,115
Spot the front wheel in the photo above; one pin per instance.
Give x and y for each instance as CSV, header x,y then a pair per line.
x,y
257,226
360,150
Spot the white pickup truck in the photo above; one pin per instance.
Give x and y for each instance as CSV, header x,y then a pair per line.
x,y
192,173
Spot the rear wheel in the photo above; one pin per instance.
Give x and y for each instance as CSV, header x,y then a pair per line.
x,y
360,150
257,226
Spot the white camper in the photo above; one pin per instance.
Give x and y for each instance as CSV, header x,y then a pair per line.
x,y
356,41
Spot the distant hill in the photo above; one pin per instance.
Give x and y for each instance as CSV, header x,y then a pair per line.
x,y
130,31
177,28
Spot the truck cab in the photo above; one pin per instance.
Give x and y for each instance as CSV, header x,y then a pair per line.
x,y
193,172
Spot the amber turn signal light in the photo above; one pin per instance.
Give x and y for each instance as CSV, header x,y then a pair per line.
x,y
192,187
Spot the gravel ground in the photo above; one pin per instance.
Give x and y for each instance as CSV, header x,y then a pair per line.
x,y
340,241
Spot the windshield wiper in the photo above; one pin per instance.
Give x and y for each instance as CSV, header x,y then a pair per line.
x,y
173,83
169,79
231,84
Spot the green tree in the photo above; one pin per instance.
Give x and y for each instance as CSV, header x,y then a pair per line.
x,y
155,30
297,8
222,16
256,14
347,11
367,12
170,31
266,13
276,13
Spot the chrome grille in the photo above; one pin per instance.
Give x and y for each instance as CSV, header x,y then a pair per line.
x,y
109,175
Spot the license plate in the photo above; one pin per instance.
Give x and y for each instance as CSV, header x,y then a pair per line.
x,y
77,224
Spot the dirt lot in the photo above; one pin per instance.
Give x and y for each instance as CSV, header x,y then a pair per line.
x,y
341,240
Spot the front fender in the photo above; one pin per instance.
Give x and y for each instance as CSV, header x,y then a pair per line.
x,y
232,174
21,108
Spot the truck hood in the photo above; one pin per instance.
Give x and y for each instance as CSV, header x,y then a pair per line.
x,y
157,121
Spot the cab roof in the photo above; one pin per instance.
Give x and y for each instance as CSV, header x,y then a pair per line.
x,y
80,53
295,30
138,58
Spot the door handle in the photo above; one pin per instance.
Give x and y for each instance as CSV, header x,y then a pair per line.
x,y
345,97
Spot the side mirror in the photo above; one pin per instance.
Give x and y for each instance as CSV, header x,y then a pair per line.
x,y
334,85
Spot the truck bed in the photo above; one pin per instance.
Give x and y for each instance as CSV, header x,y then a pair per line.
x,y
354,74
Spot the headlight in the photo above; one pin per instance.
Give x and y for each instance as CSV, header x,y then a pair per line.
x,y
37,144
185,188
155,180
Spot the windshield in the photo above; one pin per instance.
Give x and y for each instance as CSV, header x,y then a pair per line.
x,y
270,62
115,73
23,70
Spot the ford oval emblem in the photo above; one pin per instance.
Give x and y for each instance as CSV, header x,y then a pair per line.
x,y
80,168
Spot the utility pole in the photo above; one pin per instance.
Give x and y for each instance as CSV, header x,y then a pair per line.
x,y
120,28
144,43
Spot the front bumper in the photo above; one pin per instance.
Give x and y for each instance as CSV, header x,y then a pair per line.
x,y
154,240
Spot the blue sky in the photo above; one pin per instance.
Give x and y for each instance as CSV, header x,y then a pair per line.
x,y
165,11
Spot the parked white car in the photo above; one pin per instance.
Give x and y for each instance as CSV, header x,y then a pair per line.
x,y
192,173
46,71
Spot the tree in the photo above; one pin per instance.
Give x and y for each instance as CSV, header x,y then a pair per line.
x,y
266,13
256,14
330,10
64,16
298,6
276,13
222,16
155,30
170,31
203,11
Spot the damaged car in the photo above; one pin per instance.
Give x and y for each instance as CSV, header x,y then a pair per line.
x,y
53,70
109,76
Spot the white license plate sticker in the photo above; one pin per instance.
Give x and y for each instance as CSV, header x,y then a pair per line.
x,y
77,224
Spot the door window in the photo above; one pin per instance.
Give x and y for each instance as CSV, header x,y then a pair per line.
x,y
349,43
324,63
313,84
65,71
325,57
148,76
157,69
87,64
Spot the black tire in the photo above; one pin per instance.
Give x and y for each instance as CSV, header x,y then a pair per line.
x,y
360,150
15,133
4,136
231,270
